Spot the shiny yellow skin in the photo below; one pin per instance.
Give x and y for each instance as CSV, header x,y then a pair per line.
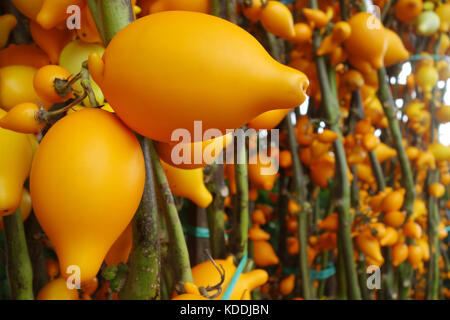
x,y
209,149
15,164
25,206
16,86
71,58
185,5
268,120
277,19
7,23
188,183
121,248
22,118
203,68
57,290
396,51
205,274
365,26
86,181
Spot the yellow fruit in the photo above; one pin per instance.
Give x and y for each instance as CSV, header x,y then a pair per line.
x,y
7,24
15,164
86,186
287,285
190,69
437,190
57,290
188,183
264,254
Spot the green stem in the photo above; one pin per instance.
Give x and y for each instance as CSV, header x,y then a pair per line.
x,y
215,212
215,7
241,175
143,280
179,251
300,193
115,15
433,240
362,277
19,270
95,12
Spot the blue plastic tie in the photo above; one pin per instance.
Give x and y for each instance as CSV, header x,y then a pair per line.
x,y
315,274
198,232
234,280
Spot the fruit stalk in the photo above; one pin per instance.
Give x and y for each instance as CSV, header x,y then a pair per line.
x,y
385,96
179,251
143,279
215,212
18,264
114,16
342,192
241,175
300,192
432,290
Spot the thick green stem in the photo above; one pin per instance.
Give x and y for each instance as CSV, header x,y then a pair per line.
x,y
114,15
95,12
215,212
242,199
300,192
19,270
143,280
433,240
34,235
178,248
362,277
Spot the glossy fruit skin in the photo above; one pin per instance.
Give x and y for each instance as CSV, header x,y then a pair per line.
x,y
268,120
277,19
370,246
427,23
57,290
15,164
7,23
23,54
202,6
22,118
121,248
71,58
192,155
188,183
51,41
44,82
365,26
393,201
16,86
86,186
181,43
25,207
394,219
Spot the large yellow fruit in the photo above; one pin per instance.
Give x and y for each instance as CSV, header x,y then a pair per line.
x,y
86,183
166,70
